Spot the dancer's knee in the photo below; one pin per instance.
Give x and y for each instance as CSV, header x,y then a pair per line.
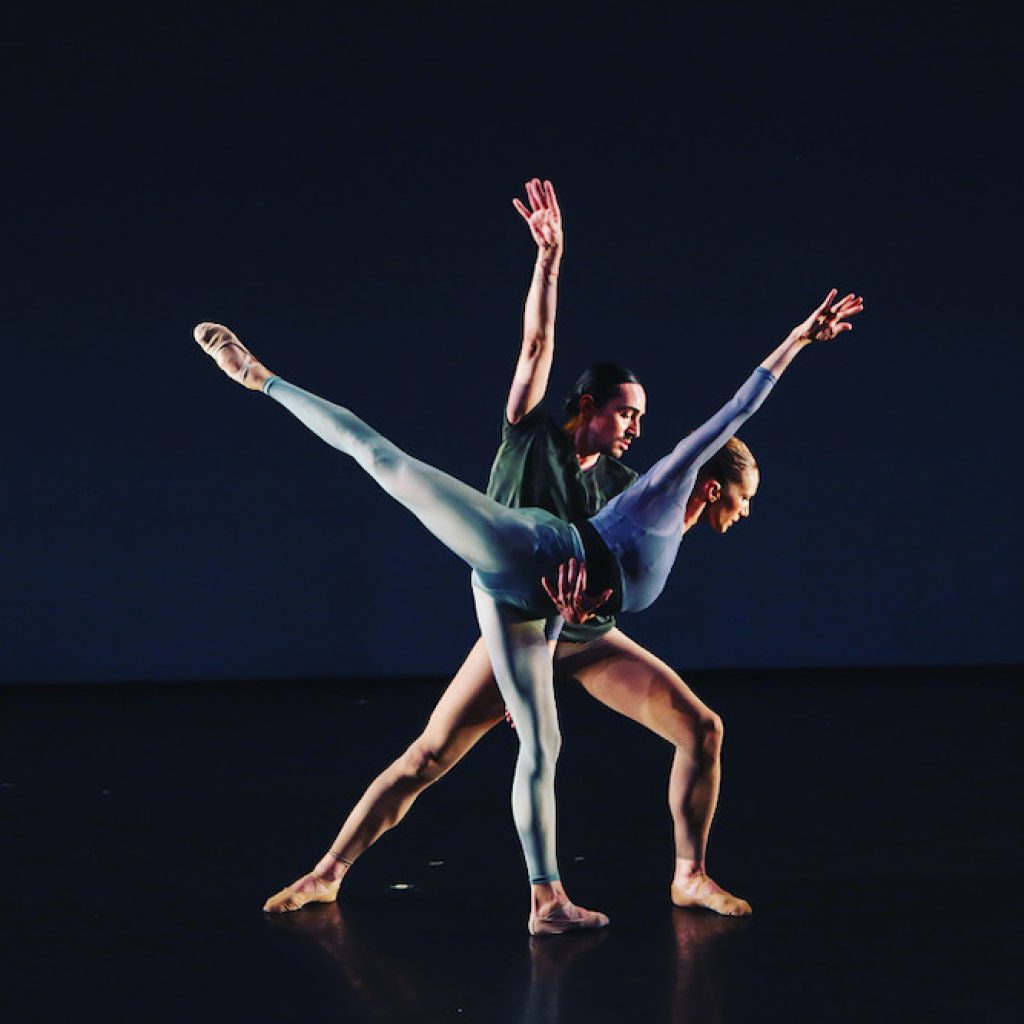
x,y
378,456
549,741
700,738
539,754
711,736
424,762
552,744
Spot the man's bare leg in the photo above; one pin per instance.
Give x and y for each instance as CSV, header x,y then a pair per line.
x,y
468,708
629,679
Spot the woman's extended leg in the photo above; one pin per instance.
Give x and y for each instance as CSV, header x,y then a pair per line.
x,y
629,679
483,533
467,710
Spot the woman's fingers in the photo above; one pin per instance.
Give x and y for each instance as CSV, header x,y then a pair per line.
x,y
826,303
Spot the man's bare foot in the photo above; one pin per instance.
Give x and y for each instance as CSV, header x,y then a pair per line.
x,y
697,890
559,918
308,889
223,346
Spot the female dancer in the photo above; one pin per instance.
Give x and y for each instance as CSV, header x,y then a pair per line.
x,y
633,542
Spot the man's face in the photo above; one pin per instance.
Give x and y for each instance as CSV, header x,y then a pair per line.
x,y
612,427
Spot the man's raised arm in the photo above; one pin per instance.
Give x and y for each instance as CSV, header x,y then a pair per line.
x,y
533,369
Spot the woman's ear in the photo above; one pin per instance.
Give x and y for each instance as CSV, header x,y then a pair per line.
x,y
712,491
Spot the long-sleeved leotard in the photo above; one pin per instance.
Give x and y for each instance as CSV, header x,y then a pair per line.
x,y
511,549
643,526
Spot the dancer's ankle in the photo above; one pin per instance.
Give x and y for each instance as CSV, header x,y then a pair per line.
x,y
257,377
545,896
686,868
332,867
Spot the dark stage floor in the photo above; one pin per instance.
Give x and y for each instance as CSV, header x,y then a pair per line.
x,y
872,818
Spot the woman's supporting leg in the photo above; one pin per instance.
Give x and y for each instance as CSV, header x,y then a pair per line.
x,y
521,658
467,710
521,651
629,679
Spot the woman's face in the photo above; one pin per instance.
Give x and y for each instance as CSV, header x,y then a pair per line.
x,y
733,502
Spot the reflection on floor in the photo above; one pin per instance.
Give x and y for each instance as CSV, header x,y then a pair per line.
x,y
872,818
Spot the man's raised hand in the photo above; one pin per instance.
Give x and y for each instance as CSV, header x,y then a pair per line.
x,y
543,216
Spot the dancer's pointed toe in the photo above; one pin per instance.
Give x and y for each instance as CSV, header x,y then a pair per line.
x,y
302,893
222,345
202,332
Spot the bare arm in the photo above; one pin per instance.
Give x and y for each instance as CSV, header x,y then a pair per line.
x,y
530,381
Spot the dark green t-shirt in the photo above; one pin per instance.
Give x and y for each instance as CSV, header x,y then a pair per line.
x,y
536,467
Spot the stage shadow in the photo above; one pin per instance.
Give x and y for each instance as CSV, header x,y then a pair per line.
x,y
390,972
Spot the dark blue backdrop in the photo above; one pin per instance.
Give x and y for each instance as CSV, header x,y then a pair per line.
x,y
336,184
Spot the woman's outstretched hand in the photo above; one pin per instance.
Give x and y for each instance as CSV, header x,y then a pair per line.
x,y
825,323
567,593
829,320
544,217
